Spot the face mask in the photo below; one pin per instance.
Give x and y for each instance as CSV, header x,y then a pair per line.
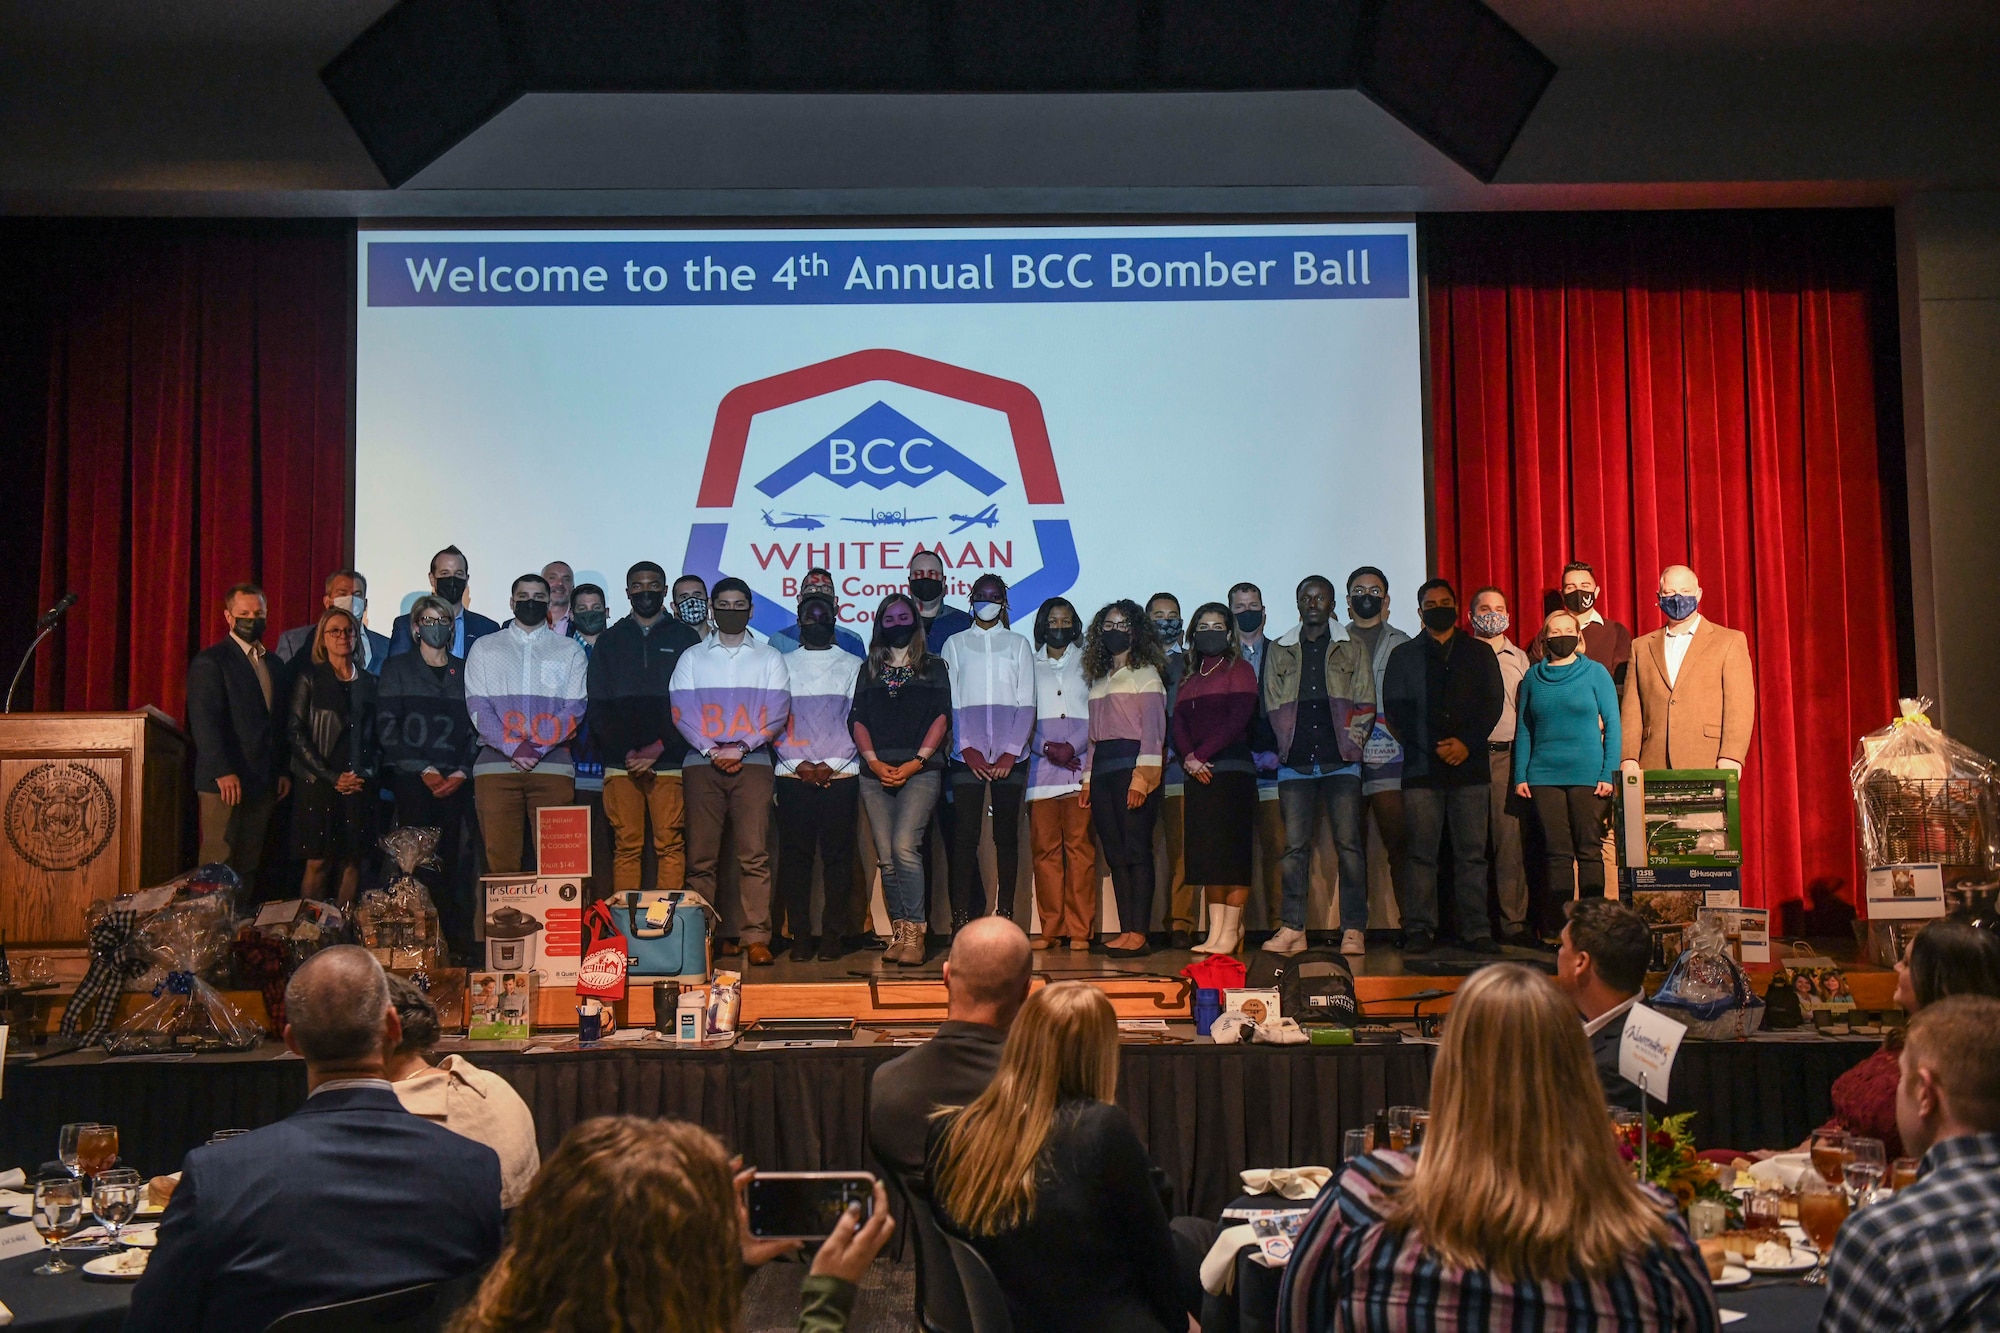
x,y
986,612
898,636
531,613
1211,642
1365,605
436,636
1576,601
816,634
451,587
1168,628
1115,641
927,589
249,628
647,604
692,611
1491,623
1438,619
1562,645
1679,605
590,622
354,606
732,621
1059,636
1249,622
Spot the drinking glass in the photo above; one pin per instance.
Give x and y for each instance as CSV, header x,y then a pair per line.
x,y
114,1197
1401,1120
1420,1125
66,1145
1829,1154
1902,1173
1357,1143
1764,1210
96,1148
1866,1164
58,1212
1822,1208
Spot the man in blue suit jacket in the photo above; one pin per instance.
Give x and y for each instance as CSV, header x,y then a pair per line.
x,y
449,575
350,1196
348,590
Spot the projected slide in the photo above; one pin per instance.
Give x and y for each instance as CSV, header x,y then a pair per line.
x,y
1093,413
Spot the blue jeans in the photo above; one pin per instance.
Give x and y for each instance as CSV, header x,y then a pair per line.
x,y
1426,810
898,816
1300,800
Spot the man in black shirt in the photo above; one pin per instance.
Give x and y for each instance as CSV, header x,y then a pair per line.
x,y
1442,696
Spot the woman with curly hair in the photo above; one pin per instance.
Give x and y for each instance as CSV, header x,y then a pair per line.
x,y
636,1224
1126,671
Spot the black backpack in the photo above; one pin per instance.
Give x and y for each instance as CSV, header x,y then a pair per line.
x,y
1315,986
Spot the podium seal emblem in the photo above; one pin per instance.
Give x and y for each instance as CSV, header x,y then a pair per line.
x,y
60,816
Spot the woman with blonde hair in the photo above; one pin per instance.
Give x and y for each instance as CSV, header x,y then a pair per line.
x,y
637,1225
1044,1175
1519,1212
336,752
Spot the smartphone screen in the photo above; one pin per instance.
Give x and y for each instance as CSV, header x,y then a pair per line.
x,y
805,1205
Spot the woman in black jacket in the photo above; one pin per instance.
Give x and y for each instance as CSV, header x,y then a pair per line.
x,y
427,748
334,758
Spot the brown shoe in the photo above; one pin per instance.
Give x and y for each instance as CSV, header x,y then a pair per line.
x,y
759,955
1079,944
913,933
1040,942
730,948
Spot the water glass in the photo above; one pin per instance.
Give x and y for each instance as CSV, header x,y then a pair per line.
x,y
1357,1143
1402,1119
1865,1167
1822,1208
114,1197
1829,1154
66,1145
58,1212
96,1148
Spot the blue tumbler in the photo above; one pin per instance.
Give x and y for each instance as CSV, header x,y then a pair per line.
x,y
1207,1008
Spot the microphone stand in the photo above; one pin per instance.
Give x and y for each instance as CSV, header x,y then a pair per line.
x,y
26,657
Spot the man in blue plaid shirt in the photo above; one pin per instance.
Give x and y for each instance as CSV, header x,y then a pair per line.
x,y
1928,1259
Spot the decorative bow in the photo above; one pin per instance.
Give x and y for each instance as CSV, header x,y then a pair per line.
x,y
179,983
115,957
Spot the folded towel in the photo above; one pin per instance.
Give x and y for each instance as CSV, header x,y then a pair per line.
x,y
1218,1266
1293,1182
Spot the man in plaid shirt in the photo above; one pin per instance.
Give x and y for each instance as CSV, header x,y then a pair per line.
x,y
1928,1259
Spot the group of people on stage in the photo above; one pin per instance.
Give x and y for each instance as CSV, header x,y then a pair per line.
x,y
686,728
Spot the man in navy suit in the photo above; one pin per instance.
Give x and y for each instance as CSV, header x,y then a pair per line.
x,y
235,696
350,1196
348,590
449,576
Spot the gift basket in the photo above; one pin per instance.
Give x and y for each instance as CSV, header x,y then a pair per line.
x,y
187,942
399,924
1922,798
267,950
1706,991
121,959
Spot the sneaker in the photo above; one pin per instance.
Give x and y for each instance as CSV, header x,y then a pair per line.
x,y
1287,941
1484,944
1418,941
1353,943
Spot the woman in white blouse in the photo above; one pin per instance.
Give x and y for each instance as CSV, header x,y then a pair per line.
x,y
459,1095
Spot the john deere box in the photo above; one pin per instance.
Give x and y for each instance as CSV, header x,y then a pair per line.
x,y
1682,817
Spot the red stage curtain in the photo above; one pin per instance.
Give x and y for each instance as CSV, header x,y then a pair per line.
x,y
1713,389
196,437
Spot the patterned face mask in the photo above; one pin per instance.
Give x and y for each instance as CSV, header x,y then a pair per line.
x,y
692,611
1492,624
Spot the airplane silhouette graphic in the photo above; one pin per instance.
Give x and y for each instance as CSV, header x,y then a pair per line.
x,y
989,516
894,518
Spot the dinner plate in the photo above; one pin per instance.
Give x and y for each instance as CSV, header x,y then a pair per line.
x,y
121,1265
144,1235
21,1210
1733,1275
1802,1259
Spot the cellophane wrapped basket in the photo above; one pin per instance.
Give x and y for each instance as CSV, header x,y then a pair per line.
x,y
399,924
1705,991
186,941
1921,797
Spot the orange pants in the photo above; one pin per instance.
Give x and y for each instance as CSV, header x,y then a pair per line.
x,y
1065,865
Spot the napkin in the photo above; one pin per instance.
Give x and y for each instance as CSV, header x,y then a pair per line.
x,y
1294,1182
1785,1168
10,1179
6,1315
1218,1266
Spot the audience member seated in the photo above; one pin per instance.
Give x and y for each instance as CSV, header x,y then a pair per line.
x,y
1929,1256
349,1196
986,982
638,1224
459,1095
1044,1175
1601,966
1518,1214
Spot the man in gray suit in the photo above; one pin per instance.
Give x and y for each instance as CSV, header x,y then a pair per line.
x,y
348,590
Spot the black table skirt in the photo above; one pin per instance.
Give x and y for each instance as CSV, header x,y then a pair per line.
x,y
1206,1112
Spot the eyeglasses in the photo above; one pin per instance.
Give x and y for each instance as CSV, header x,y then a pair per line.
x,y
1119,623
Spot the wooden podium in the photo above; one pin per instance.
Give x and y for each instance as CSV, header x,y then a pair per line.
x,y
91,805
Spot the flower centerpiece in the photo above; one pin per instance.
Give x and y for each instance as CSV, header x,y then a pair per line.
x,y
1672,1164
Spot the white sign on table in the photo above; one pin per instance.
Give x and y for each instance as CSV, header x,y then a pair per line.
x,y
1646,1052
17,1241
1905,893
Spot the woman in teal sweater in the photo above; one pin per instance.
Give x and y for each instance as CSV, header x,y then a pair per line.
x,y
1566,755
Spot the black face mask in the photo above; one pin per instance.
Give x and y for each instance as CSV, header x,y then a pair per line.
x,y
926,589
531,613
451,587
249,628
730,621
1249,622
1365,605
646,604
590,622
1438,619
1210,642
1059,636
1577,601
898,636
1115,641
815,634
437,636
1562,645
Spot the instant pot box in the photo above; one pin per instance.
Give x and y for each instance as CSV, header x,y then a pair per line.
x,y
533,923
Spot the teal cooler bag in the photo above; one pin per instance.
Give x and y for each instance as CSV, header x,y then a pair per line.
x,y
666,934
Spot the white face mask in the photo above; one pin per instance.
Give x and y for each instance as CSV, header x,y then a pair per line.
x,y
354,606
986,612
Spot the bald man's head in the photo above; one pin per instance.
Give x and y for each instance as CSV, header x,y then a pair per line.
x,y
335,1006
1679,579
986,975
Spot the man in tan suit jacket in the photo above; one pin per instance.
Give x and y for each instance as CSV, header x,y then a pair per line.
x,y
1689,698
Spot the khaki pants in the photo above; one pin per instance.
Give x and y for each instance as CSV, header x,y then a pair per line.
x,y
1271,847
1184,911
1065,866
741,802
1510,878
235,833
629,799
505,803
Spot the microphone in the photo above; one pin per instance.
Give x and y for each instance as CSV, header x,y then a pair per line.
x,y
55,613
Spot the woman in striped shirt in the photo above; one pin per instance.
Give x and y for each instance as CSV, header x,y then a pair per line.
x,y
1126,670
1519,1213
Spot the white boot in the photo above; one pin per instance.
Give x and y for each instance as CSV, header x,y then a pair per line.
x,y
1225,930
